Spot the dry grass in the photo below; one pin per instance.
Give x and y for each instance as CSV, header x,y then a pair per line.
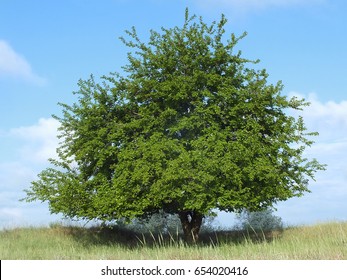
x,y
322,241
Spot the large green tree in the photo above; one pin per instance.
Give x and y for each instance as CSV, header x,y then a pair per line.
x,y
189,128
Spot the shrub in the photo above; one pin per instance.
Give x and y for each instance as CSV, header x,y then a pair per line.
x,y
263,220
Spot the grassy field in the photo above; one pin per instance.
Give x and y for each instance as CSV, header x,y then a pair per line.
x,y
321,241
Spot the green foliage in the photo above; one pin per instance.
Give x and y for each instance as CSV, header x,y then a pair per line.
x,y
189,128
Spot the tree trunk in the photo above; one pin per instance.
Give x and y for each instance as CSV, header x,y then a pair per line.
x,y
191,222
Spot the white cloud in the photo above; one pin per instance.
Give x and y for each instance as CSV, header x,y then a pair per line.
x,y
25,215
328,118
14,65
10,212
33,145
10,217
14,176
329,193
40,139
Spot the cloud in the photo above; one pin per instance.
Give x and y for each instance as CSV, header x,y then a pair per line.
x,y
328,118
329,192
10,217
25,215
14,65
14,175
10,212
32,146
244,6
40,140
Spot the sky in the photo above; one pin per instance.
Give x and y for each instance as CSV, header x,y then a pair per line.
x,y
47,46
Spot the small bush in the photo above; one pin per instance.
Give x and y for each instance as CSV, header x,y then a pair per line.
x,y
263,220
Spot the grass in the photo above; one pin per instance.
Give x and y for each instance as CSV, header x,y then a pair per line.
x,y
321,241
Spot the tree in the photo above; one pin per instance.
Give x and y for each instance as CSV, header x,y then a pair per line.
x,y
188,129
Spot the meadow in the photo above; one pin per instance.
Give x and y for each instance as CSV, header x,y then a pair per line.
x,y
326,241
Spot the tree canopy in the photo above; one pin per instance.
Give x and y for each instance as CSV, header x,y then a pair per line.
x,y
189,128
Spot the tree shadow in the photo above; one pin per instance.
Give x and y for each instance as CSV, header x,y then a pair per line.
x,y
115,235
100,235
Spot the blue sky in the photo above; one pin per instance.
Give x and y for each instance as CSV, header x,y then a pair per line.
x,y
46,46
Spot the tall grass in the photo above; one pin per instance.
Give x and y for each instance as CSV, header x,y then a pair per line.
x,y
321,241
